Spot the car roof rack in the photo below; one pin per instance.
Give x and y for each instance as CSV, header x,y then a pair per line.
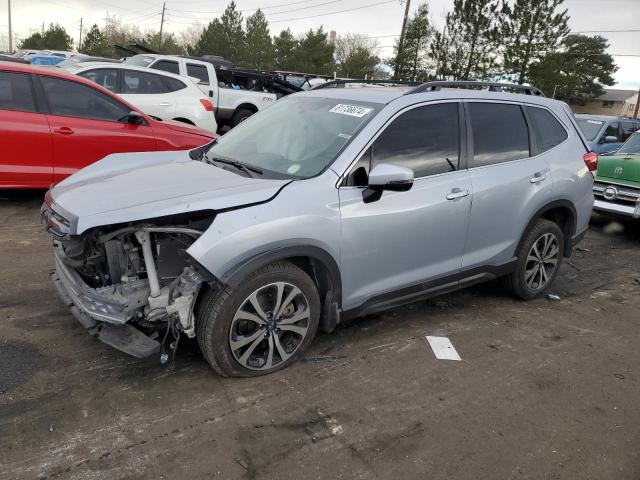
x,y
342,83
491,86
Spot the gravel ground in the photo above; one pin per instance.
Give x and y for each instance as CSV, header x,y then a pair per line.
x,y
546,389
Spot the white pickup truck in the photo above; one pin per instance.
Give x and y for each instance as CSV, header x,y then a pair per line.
x,y
232,103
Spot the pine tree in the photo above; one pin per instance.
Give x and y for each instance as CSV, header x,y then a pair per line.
x,y
577,73
466,47
313,53
284,46
54,38
529,29
223,36
96,43
258,47
412,63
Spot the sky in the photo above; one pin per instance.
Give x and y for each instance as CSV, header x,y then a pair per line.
x,y
376,18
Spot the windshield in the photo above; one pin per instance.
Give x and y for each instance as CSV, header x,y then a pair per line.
x,y
139,60
297,137
631,146
590,127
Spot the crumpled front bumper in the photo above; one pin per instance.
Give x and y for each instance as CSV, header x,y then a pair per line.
x,y
103,316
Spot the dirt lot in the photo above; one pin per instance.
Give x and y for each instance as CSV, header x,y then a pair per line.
x,y
547,389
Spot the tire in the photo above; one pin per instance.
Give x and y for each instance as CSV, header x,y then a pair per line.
x,y
228,324
528,281
240,116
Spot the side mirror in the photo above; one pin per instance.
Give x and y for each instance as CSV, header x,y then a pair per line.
x,y
134,118
387,176
610,139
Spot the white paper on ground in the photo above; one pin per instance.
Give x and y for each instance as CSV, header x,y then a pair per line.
x,y
443,348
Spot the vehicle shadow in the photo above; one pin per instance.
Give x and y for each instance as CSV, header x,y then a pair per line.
x,y
22,197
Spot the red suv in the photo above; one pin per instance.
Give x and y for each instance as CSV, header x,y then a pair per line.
x,y
52,124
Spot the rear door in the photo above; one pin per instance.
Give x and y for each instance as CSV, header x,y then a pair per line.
x,y
25,139
146,90
88,125
509,183
393,246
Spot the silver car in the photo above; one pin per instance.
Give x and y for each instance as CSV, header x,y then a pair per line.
x,y
331,204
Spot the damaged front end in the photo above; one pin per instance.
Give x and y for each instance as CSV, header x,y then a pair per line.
x,y
133,286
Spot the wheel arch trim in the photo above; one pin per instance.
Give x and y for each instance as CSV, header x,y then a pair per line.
x,y
236,274
560,203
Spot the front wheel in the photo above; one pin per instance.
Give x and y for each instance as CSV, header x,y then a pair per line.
x,y
539,258
261,326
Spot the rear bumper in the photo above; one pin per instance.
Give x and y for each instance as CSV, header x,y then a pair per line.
x,y
632,211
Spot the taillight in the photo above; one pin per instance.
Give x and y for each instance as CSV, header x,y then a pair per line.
x,y
208,106
591,160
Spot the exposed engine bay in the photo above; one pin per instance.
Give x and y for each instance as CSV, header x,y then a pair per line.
x,y
134,276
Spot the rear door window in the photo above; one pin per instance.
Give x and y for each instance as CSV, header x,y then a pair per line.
x,y
546,128
198,71
107,78
500,133
167,66
141,83
16,93
424,139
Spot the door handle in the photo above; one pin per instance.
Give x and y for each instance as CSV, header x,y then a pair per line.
x,y
164,104
63,130
538,177
457,193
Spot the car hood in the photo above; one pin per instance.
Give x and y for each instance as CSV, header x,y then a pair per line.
x,y
622,168
136,186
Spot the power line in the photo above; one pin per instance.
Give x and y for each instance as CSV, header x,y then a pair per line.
x,y
246,9
333,13
272,13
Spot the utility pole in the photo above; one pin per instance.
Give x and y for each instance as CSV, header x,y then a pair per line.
x,y
635,112
162,22
399,53
10,31
80,39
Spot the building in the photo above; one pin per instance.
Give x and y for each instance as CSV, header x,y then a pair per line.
x,y
612,102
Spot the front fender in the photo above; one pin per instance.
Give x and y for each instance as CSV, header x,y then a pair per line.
x,y
304,217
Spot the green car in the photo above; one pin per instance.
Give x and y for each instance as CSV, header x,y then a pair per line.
x,y
617,184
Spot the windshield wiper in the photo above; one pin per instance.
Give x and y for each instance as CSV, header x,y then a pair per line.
x,y
248,169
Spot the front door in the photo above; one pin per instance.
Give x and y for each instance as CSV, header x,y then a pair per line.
x,y
410,241
88,125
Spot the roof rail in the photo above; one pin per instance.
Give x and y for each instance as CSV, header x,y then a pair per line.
x,y
343,83
492,86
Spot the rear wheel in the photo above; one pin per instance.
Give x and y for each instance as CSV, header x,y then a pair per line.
x,y
539,258
261,326
240,116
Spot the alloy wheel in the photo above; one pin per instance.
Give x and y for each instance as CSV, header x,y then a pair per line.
x,y
542,261
269,326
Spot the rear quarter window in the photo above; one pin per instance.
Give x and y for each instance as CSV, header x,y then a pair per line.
x,y
547,131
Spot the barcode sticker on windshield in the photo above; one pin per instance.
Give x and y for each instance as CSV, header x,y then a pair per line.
x,y
352,110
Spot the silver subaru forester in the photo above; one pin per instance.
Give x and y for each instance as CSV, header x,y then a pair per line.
x,y
331,204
